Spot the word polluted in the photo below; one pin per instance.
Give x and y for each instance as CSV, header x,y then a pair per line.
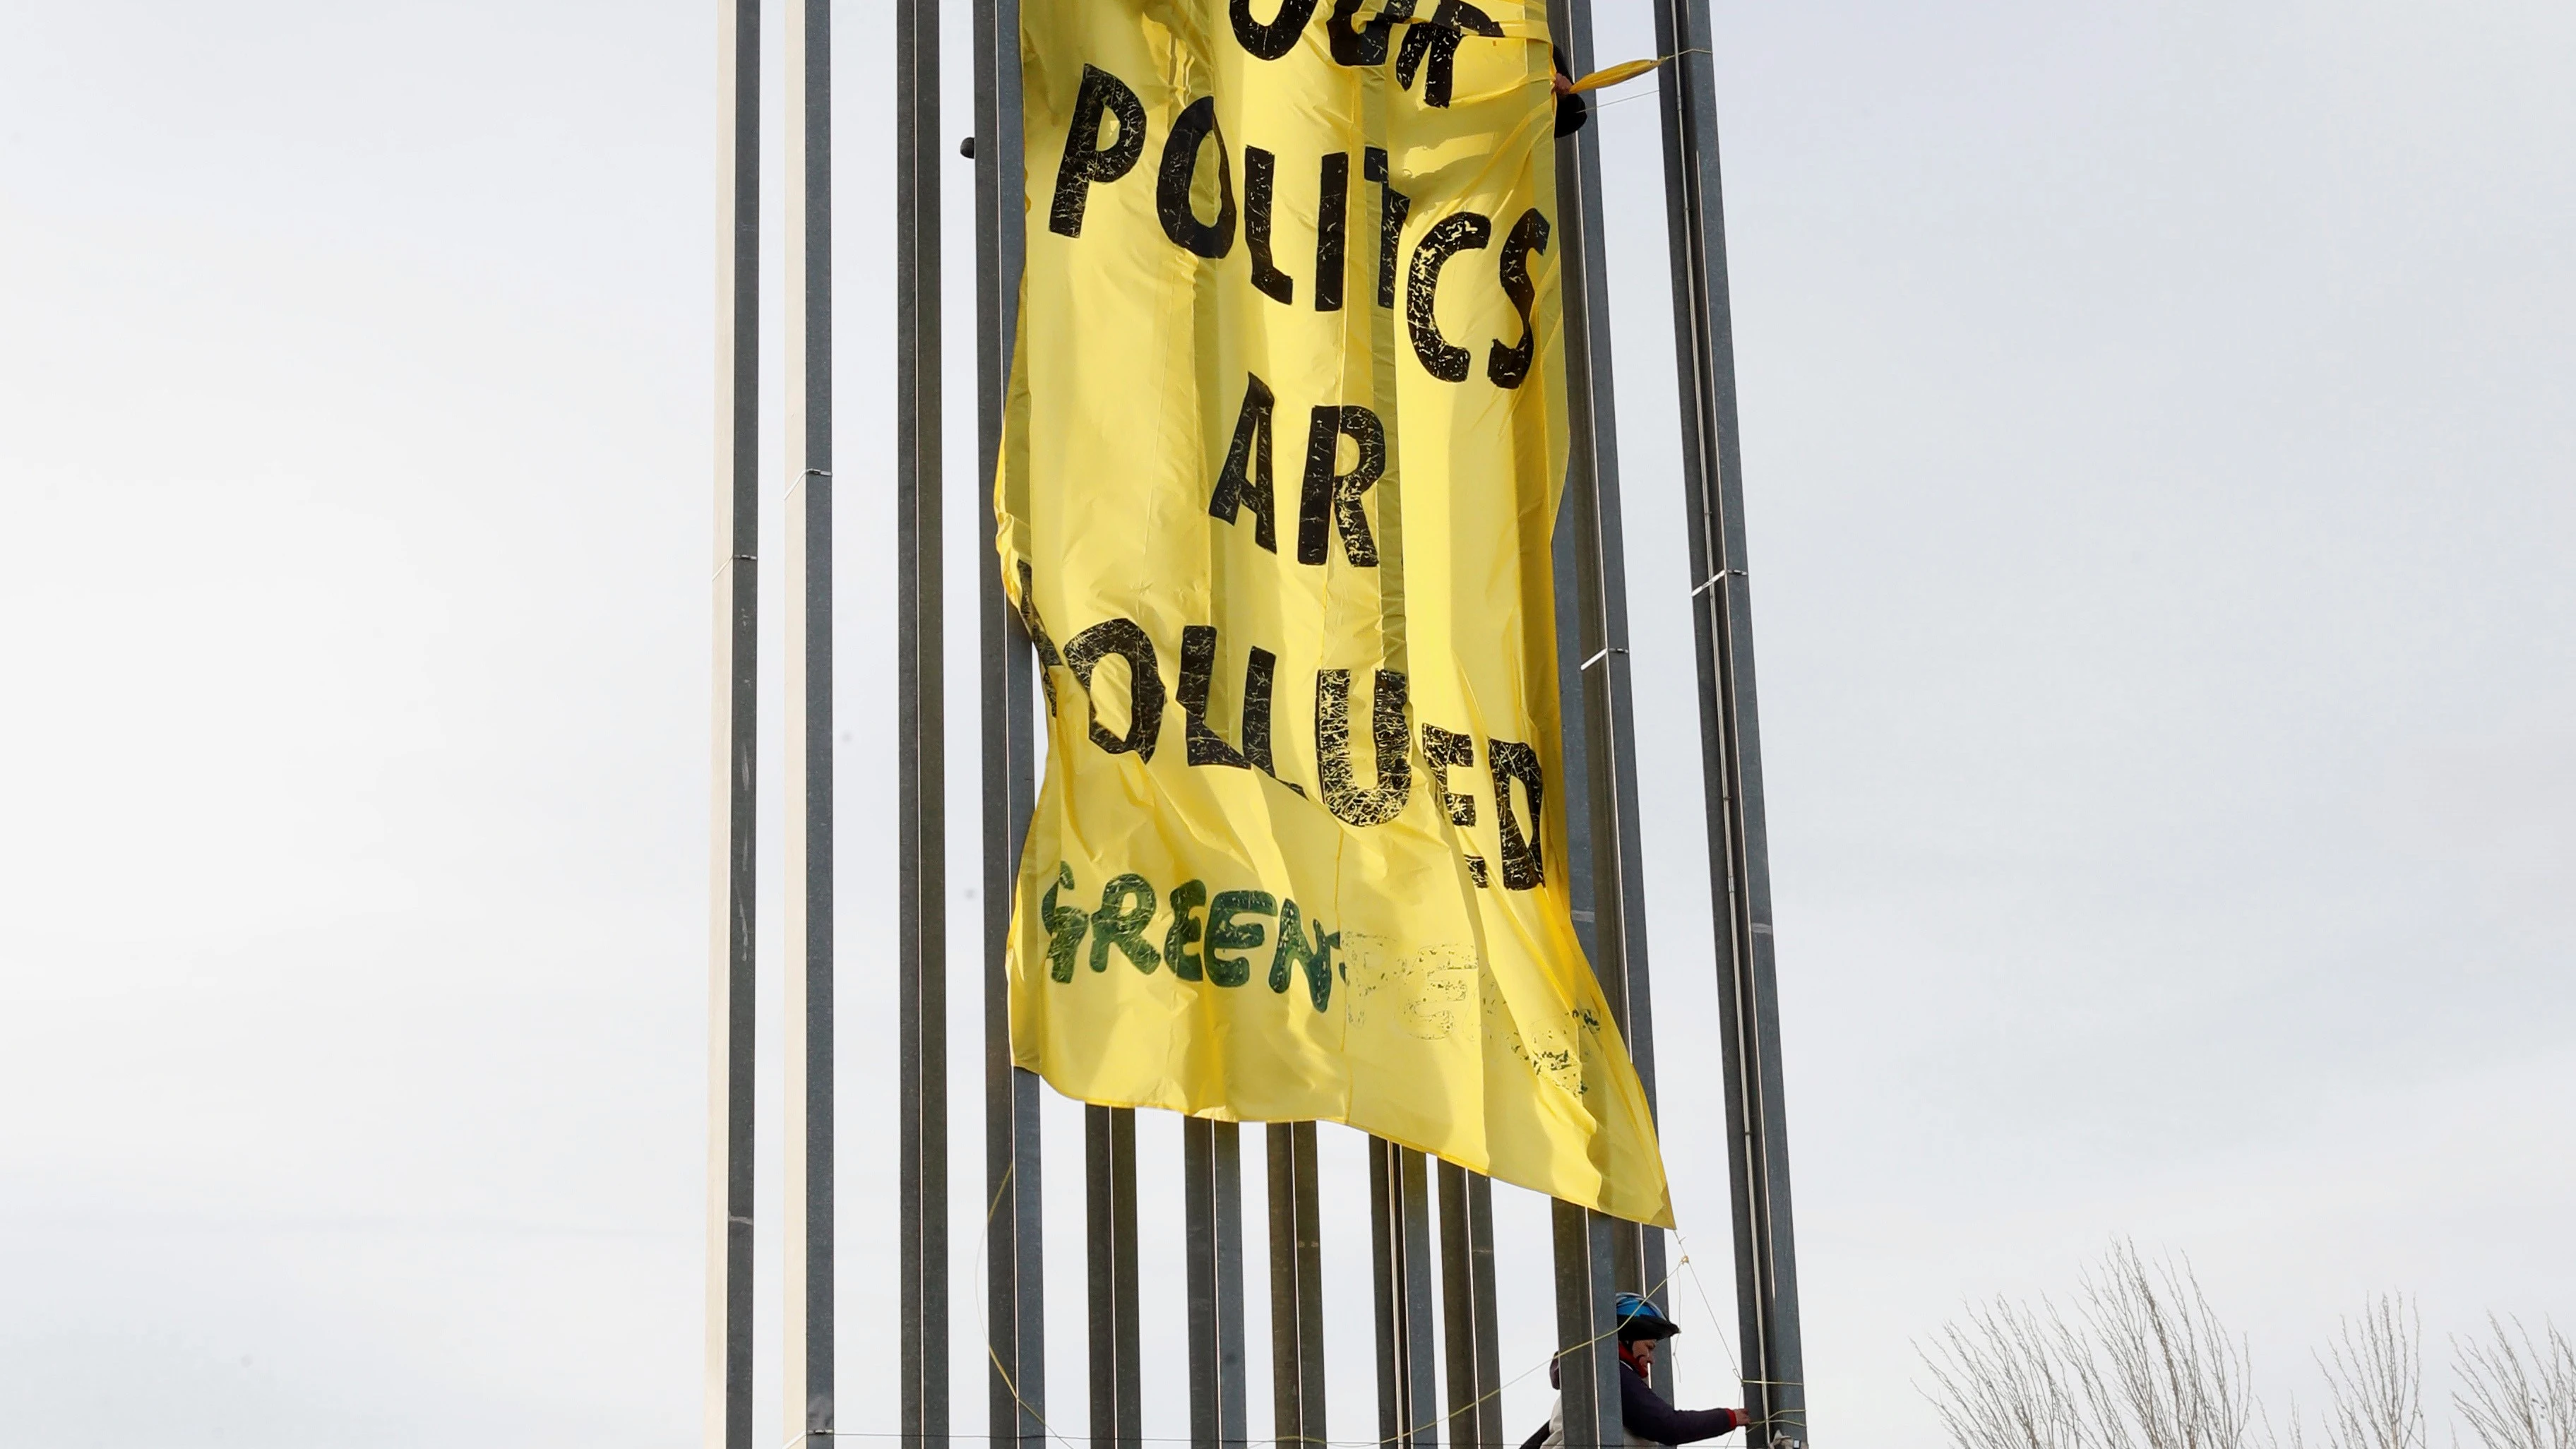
x,y
1509,763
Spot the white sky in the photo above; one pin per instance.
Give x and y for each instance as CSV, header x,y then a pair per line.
x,y
2158,449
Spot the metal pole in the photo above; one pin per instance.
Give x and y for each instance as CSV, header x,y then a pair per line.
x,y
1766,1275
808,1236
1607,871
1212,1194
1469,1325
1016,1303
732,983
1117,1357
1588,1357
921,728
1296,1288
1400,1239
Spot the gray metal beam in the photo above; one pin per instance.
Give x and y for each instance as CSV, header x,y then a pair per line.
x,y
807,1380
1117,1355
1408,1392
1588,1356
1015,1307
1607,872
1470,1330
921,730
732,982
1296,1289
1212,1198
1766,1274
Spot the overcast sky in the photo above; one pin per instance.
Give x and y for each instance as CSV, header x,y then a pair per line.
x,y
2158,444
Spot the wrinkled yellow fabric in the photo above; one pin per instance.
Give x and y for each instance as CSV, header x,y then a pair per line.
x,y
1366,918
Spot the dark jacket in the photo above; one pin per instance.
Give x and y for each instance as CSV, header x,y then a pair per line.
x,y
1645,1415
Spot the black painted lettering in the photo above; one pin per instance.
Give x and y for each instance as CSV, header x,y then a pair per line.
x,y
1510,760
1180,173
1507,366
1437,40
1083,653
1465,231
1027,607
1245,478
1271,41
1440,750
1349,803
1259,667
1327,493
1357,45
1332,212
1260,175
1198,664
1392,206
1085,159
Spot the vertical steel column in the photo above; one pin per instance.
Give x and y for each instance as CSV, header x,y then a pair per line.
x,y
1588,1359
1212,1196
1400,1240
808,1238
1766,1274
921,731
1015,1261
732,984
1469,1328
1117,1358
1607,873
1296,1288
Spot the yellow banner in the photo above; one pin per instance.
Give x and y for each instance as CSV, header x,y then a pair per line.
x,y
1285,440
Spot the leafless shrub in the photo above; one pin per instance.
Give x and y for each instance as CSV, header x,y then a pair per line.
x,y
2515,1393
2145,1364
2170,1366
2375,1378
2009,1379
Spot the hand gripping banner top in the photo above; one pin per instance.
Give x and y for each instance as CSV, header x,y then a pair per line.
x,y
1284,444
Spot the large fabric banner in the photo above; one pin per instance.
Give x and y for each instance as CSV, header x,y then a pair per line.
x,y
1285,439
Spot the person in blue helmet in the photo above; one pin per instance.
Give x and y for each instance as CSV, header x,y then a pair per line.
x,y
1647,1418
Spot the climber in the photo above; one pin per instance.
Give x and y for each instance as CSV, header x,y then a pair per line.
x,y
1647,1418
1571,109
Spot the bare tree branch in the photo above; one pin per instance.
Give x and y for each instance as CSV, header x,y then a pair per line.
x,y
2375,1374
2144,1364
2515,1393
2168,1365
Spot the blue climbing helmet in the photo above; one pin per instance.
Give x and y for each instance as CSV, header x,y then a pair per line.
x,y
1640,1320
